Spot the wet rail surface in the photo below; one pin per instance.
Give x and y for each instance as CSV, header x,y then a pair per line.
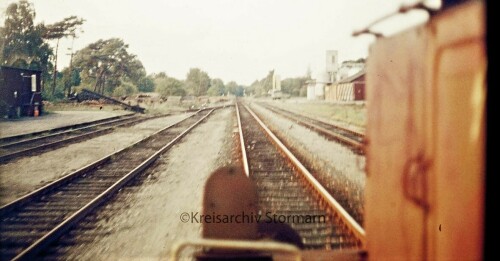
x,y
351,138
25,145
30,224
283,191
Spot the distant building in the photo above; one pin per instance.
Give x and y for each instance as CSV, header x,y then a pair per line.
x,y
332,64
349,68
276,82
344,83
311,87
322,79
348,89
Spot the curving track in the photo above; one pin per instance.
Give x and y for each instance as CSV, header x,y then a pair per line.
x,y
286,188
27,144
31,223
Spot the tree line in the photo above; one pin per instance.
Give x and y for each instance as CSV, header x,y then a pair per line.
x,y
105,66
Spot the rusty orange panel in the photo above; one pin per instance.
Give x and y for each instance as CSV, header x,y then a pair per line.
x,y
456,180
395,75
425,153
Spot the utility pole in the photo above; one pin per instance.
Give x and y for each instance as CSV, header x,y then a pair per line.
x,y
55,70
70,84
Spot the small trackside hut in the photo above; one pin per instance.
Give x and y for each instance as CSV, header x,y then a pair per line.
x,y
20,92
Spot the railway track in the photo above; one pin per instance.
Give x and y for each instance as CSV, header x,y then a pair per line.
x,y
286,188
31,223
351,138
27,144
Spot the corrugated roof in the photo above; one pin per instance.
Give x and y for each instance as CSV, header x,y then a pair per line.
x,y
353,77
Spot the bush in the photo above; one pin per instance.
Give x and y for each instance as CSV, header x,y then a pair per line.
x,y
169,87
124,89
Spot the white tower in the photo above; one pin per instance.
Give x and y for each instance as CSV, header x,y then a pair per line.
x,y
332,65
276,82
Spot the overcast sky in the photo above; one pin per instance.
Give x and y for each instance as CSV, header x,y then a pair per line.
x,y
235,40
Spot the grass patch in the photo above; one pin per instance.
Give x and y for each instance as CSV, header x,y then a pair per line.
x,y
353,114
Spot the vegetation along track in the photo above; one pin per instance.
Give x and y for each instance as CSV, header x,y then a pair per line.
x,y
351,138
25,145
31,223
286,188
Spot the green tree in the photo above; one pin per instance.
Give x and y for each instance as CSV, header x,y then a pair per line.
x,y
106,63
217,88
267,83
71,77
262,87
293,86
22,40
67,27
231,87
146,84
167,86
239,91
197,82
125,89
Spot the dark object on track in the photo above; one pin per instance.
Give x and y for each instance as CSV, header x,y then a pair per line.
x,y
90,95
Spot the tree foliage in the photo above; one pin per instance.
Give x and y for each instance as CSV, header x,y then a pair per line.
x,y
67,27
106,63
168,86
293,86
197,82
146,84
217,88
231,87
22,40
263,86
125,89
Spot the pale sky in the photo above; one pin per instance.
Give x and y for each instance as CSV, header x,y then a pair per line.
x,y
235,40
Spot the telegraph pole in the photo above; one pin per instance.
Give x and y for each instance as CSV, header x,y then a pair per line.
x,y
70,66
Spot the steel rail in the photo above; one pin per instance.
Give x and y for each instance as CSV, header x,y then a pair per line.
x,y
242,143
359,146
350,223
353,132
26,135
68,131
75,174
31,251
6,157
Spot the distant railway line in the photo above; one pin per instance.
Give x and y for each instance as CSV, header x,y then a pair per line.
x,y
27,144
29,224
285,187
351,138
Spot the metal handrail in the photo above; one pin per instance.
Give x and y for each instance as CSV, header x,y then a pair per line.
x,y
236,244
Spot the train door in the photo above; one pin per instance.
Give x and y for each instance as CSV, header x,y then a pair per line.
x,y
456,180
395,217
425,154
